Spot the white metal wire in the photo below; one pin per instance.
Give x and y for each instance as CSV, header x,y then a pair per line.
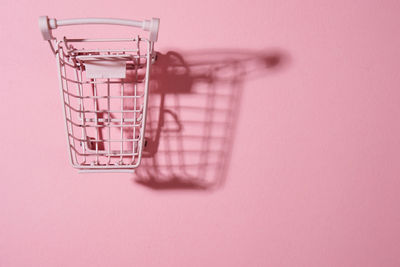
x,y
105,118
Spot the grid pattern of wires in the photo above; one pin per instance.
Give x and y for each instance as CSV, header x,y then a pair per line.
x,y
104,117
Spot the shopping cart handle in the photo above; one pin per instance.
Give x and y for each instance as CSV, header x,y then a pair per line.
x,y
46,25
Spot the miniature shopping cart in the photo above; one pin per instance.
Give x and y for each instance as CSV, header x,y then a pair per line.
x,y
104,89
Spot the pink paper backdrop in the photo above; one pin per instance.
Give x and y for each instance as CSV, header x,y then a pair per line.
x,y
308,176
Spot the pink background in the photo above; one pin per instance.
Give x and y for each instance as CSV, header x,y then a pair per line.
x,y
313,173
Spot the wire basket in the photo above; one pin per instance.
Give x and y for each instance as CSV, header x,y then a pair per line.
x,y
104,92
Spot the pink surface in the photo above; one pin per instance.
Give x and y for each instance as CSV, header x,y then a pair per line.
x,y
313,173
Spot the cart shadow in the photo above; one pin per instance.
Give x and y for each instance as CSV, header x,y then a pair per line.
x,y
193,107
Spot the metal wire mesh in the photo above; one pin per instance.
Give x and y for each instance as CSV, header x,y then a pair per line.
x,y
105,118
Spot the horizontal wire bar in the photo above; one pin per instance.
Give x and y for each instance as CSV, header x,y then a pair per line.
x,y
103,40
108,57
100,153
112,153
101,50
87,166
98,168
109,120
104,140
102,97
103,125
104,111
101,82
121,57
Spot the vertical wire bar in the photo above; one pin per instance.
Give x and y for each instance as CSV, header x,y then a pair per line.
x,y
134,142
67,100
122,121
81,109
108,121
94,91
145,98
83,114
137,61
61,85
